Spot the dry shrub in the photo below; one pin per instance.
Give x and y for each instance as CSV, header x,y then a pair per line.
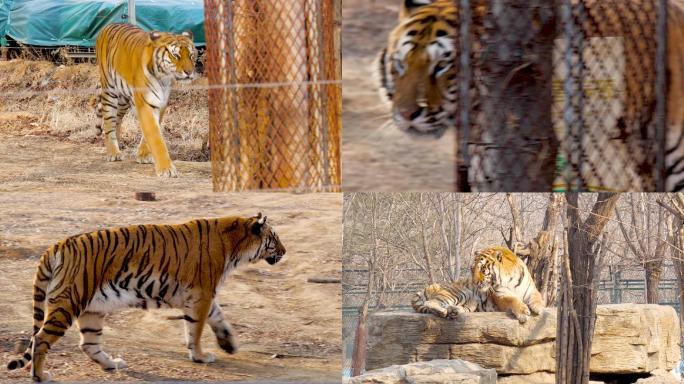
x,y
71,117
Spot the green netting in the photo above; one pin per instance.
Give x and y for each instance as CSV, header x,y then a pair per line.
x,y
77,22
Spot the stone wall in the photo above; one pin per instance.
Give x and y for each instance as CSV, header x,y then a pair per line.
x,y
629,338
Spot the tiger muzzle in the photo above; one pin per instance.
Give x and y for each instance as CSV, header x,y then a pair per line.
x,y
276,257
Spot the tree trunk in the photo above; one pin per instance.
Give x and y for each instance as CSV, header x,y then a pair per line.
x,y
519,145
577,309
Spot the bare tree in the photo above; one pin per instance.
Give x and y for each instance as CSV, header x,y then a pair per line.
x,y
645,238
577,307
541,252
674,204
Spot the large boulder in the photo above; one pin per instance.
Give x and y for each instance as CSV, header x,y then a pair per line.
x,y
432,372
628,339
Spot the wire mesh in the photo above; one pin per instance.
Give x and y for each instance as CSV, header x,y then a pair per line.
x,y
284,136
582,110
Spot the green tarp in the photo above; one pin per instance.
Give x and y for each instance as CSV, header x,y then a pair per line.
x,y
77,22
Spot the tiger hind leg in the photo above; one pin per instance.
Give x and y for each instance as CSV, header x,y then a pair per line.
x,y
57,321
90,324
225,335
195,315
111,125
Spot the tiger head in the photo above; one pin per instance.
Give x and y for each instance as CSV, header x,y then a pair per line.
x,y
253,240
174,55
490,264
416,70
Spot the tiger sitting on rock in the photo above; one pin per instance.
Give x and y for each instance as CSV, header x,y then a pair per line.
x,y
500,282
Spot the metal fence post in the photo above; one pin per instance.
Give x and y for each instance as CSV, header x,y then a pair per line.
x,y
131,12
661,95
463,122
573,89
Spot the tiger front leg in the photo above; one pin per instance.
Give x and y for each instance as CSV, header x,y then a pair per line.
x,y
195,315
225,335
536,303
152,138
510,303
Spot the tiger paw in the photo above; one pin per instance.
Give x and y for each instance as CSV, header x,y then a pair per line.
x,y
203,358
536,309
42,378
167,172
454,312
522,313
118,156
228,344
144,159
116,364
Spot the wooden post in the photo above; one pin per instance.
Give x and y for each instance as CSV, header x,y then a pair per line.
x,y
517,66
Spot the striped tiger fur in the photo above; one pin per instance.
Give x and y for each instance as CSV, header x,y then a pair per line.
x,y
87,276
509,282
450,300
137,68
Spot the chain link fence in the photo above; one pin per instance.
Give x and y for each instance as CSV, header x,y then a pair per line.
x,y
275,94
565,94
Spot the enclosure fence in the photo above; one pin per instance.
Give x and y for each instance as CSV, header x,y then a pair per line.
x,y
564,94
275,104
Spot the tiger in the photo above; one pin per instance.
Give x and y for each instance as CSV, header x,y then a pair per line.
x,y
452,299
506,277
137,68
417,74
416,69
85,277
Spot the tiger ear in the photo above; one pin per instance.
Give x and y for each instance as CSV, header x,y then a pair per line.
x,y
155,35
499,256
410,6
187,34
258,224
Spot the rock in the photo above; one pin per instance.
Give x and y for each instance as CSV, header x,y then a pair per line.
x,y
628,339
535,378
432,372
659,376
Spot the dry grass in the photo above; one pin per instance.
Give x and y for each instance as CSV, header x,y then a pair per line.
x,y
72,117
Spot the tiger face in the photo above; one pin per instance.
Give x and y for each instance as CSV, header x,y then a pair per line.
x,y
260,241
487,265
417,71
175,55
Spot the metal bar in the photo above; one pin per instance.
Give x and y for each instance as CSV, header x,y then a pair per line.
x,y
463,126
131,12
573,90
661,96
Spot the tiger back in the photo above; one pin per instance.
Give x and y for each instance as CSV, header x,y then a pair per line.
x,y
137,69
87,276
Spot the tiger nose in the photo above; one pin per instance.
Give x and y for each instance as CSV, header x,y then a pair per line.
x,y
410,114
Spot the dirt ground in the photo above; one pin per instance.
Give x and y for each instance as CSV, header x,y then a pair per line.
x,y
376,156
288,329
48,140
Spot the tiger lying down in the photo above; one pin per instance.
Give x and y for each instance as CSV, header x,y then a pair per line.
x,y
500,282
87,276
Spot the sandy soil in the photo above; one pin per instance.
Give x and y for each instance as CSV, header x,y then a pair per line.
x,y
288,329
376,156
48,140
